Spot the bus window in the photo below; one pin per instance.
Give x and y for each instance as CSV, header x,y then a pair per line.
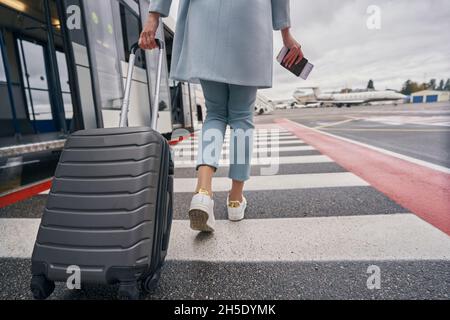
x,y
34,74
6,117
2,69
65,85
131,29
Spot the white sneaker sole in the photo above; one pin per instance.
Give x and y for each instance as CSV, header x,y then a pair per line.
x,y
237,214
199,220
236,218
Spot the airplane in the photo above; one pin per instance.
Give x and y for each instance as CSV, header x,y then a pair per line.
x,y
347,99
263,105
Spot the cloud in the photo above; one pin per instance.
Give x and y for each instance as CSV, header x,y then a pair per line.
x,y
413,43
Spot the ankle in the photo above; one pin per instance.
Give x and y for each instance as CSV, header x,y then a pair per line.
x,y
235,197
205,191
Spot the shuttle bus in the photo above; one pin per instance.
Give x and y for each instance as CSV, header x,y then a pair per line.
x,y
62,68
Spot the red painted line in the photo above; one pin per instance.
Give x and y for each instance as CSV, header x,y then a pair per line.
x,y
180,139
423,191
24,193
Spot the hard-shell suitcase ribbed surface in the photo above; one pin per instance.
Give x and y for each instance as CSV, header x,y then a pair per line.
x,y
109,210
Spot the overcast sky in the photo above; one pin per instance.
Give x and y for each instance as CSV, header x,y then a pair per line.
x,y
413,43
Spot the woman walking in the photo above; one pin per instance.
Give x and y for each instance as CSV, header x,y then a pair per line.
x,y
227,47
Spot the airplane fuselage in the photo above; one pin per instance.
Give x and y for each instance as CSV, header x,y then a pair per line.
x,y
354,98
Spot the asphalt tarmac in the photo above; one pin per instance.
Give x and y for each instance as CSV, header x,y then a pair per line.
x,y
312,230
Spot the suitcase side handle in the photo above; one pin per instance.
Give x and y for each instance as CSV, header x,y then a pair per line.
x,y
126,98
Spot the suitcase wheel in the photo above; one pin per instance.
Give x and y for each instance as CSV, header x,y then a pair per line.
x,y
128,291
41,287
150,284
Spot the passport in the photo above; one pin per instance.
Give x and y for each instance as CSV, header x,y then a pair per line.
x,y
302,69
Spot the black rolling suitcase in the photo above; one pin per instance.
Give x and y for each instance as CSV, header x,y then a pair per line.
x,y
109,211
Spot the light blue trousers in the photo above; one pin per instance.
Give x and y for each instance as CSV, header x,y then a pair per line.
x,y
231,105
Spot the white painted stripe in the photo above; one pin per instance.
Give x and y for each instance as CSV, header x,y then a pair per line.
x,y
255,133
17,237
266,134
262,132
255,143
276,127
273,134
263,150
268,138
265,126
345,238
282,149
384,151
279,182
263,161
266,130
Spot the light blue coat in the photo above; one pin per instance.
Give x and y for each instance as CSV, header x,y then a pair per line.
x,y
227,41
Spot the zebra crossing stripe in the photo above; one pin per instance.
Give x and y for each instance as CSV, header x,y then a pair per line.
x,y
189,152
194,144
269,161
342,238
256,138
279,182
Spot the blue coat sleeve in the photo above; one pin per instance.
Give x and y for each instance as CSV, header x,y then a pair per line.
x,y
281,14
160,6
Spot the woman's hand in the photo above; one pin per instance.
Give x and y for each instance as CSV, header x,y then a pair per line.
x,y
295,54
148,35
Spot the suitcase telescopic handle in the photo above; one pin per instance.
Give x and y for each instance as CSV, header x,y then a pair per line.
x,y
129,79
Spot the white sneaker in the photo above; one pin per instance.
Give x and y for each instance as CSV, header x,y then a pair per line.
x,y
201,212
236,209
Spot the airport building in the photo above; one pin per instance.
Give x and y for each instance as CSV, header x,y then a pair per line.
x,y
430,96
